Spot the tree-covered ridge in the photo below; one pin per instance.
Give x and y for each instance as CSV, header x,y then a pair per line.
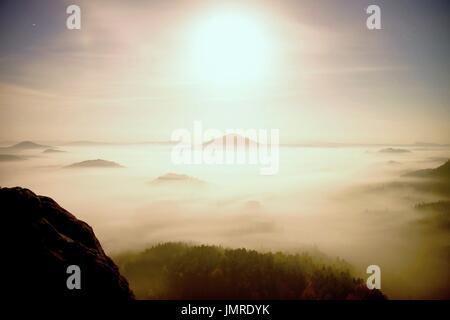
x,y
181,271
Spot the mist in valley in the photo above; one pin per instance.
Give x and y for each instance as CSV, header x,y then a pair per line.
x,y
350,202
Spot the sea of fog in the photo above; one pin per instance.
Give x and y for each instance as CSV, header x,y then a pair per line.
x,y
320,199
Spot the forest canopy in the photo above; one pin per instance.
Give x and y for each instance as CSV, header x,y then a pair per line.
x,y
182,271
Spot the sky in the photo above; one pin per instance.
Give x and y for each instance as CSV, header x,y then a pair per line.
x,y
138,70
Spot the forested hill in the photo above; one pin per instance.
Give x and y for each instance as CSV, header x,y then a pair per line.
x,y
181,271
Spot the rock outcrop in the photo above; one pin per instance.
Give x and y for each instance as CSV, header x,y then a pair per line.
x,y
41,240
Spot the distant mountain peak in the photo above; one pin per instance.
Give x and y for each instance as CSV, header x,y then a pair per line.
x,y
394,150
28,145
51,150
175,177
97,163
234,138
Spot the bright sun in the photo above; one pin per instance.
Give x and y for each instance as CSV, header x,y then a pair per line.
x,y
229,47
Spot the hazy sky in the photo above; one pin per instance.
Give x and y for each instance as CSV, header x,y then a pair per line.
x,y
137,70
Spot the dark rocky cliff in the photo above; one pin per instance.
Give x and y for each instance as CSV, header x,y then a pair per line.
x,y
40,240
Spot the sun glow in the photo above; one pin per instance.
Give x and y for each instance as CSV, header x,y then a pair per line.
x,y
230,47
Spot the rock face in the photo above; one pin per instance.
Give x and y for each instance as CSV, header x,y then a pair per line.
x,y
41,240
